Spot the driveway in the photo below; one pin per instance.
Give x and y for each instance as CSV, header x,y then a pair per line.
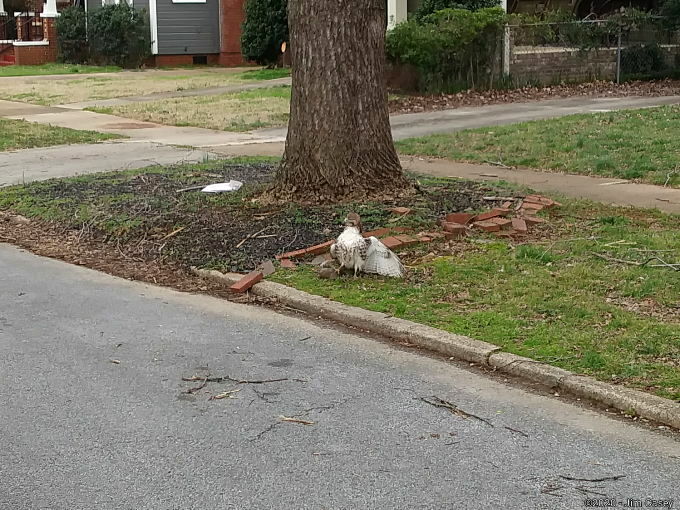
x,y
95,413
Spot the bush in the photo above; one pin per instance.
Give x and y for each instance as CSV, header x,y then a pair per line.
x,y
643,60
428,7
264,30
453,49
670,10
119,35
72,35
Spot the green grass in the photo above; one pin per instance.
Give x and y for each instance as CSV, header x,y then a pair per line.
x,y
19,134
552,301
46,69
629,144
265,74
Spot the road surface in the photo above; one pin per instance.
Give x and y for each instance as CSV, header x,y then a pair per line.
x,y
94,413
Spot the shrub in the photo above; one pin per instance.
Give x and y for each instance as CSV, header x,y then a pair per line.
x,y
670,10
643,60
264,30
452,49
428,7
119,35
72,35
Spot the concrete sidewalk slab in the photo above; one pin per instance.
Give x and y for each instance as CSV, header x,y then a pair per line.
x,y
599,189
69,160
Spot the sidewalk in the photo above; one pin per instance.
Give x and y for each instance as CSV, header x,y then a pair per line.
x,y
606,190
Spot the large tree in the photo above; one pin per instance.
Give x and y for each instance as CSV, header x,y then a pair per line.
x,y
339,143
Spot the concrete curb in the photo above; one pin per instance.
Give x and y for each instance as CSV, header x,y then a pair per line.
x,y
467,349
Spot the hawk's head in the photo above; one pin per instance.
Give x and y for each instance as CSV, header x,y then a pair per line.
x,y
353,220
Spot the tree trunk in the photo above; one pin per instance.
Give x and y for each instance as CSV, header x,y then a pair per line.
x,y
339,143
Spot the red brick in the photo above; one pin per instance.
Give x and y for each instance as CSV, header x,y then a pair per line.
x,y
453,227
462,218
519,224
391,242
407,240
377,233
319,248
454,230
532,205
502,222
533,220
288,264
401,230
247,282
492,214
400,210
487,226
507,205
291,254
424,239
433,235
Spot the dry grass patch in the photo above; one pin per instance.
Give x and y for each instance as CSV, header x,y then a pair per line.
x,y
239,111
39,90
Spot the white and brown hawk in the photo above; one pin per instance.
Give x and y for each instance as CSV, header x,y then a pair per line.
x,y
364,254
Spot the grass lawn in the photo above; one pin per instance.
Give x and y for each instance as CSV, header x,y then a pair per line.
x,y
546,296
629,144
129,83
239,111
19,134
47,69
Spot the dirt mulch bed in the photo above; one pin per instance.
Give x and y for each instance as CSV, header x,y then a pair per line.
x,y
139,226
416,103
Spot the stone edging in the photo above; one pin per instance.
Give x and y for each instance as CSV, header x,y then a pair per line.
x,y
467,349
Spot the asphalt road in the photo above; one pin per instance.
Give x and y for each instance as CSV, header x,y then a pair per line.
x,y
82,432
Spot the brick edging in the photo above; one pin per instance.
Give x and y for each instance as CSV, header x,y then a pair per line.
x,y
463,348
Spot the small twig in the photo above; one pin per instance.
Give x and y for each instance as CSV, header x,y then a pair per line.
x,y
238,381
296,420
191,188
453,409
252,235
499,163
603,479
225,394
173,233
517,431
674,267
499,199
197,388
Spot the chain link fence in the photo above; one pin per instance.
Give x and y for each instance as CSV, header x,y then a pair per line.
x,y
592,49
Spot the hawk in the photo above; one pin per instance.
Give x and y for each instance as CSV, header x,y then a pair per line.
x,y
355,252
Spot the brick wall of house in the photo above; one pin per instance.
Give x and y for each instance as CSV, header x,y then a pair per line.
x,y
232,15
39,53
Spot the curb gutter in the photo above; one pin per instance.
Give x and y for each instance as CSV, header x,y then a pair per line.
x,y
463,348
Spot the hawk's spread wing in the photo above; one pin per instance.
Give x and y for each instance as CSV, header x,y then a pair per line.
x,y
381,260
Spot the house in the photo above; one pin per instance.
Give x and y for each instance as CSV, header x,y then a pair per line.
x,y
185,32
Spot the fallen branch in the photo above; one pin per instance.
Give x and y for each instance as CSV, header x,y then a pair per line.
x,y
453,409
499,199
603,479
237,381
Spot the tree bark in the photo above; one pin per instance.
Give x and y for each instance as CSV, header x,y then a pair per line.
x,y
339,143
